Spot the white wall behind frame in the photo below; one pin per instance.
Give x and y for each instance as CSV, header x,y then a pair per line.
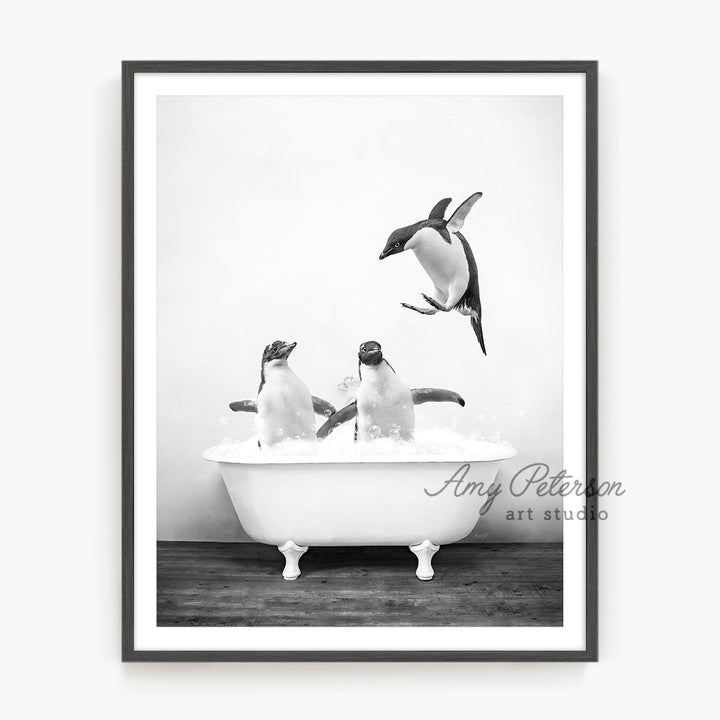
x,y
60,181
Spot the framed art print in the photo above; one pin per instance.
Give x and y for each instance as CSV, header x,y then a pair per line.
x,y
360,361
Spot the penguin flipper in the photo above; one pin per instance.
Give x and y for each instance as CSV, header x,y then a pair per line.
x,y
338,418
438,211
244,406
457,219
423,395
322,407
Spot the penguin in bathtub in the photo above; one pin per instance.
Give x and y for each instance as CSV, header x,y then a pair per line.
x,y
284,406
384,405
447,258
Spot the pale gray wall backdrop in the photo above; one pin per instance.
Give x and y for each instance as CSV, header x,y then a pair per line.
x,y
271,214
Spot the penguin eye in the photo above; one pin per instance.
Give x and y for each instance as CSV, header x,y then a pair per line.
x,y
397,244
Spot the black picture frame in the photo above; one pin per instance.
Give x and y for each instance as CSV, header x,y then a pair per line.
x,y
129,69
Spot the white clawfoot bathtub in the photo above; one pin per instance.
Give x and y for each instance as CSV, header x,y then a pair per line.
x,y
295,503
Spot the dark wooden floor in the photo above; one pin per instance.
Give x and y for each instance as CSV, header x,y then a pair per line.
x,y
230,584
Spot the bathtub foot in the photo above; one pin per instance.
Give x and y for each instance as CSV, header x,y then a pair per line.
x,y
424,551
292,553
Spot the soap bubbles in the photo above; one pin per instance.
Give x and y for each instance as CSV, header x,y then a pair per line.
x,y
223,421
280,432
339,447
394,432
374,432
349,382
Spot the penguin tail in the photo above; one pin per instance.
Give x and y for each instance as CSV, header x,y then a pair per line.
x,y
476,323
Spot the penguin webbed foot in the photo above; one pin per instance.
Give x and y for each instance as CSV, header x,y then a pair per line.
x,y
434,303
422,311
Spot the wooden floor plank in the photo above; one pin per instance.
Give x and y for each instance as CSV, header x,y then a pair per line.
x,y
240,584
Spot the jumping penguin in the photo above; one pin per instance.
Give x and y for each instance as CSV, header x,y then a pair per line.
x,y
285,409
447,258
383,400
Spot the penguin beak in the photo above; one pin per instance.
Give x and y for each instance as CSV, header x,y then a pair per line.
x,y
368,355
390,249
287,348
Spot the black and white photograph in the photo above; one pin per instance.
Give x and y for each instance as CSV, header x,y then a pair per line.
x,y
338,339
362,304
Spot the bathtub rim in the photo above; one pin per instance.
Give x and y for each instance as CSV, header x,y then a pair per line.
x,y
503,453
